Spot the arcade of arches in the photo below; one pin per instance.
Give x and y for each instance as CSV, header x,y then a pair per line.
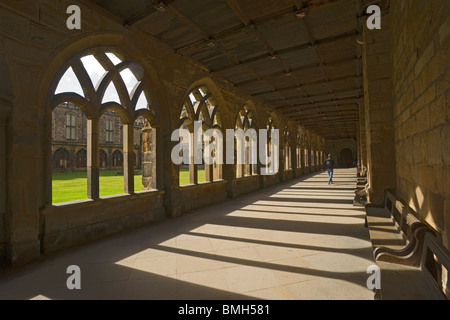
x,y
377,100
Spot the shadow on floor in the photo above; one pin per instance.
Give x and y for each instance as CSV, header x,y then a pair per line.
x,y
107,265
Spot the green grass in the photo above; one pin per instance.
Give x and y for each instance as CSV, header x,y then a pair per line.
x,y
73,186
184,176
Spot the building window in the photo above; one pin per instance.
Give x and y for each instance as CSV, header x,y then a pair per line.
x,y
109,131
70,127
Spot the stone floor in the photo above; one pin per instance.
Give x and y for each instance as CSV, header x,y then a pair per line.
x,y
302,239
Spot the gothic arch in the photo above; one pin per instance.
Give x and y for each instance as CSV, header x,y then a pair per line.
x,y
216,93
110,69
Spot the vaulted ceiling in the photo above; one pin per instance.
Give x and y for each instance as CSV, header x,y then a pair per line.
x,y
300,56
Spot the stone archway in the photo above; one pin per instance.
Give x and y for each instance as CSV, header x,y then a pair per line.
x,y
345,158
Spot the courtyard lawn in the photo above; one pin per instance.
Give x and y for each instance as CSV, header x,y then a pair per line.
x,y
184,176
73,186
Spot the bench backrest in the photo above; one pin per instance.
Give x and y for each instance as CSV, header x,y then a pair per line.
x,y
435,263
404,218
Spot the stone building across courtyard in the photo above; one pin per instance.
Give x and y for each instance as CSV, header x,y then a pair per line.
x,y
69,140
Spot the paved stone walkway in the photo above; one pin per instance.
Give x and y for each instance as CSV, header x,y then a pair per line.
x,y
302,239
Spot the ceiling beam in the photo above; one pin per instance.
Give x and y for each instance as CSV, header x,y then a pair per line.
x,y
306,85
352,100
234,31
310,68
239,12
291,49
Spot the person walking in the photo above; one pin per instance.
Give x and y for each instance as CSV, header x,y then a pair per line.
x,y
329,166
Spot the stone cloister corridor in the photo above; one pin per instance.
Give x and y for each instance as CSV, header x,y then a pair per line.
x,y
301,239
187,149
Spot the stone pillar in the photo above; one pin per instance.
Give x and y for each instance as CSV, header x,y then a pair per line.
x,y
148,157
169,172
193,174
209,172
247,170
362,155
308,159
128,158
92,158
379,112
302,160
293,159
22,177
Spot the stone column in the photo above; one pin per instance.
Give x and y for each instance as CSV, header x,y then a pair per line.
x,y
362,156
128,158
379,112
302,159
148,157
92,158
209,172
293,159
22,178
247,169
193,174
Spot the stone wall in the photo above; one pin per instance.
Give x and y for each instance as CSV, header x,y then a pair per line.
x,y
338,148
64,226
421,93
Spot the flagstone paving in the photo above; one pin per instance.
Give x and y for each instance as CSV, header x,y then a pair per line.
x,y
302,239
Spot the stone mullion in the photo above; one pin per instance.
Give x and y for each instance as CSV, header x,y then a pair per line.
x,y
128,158
193,174
93,148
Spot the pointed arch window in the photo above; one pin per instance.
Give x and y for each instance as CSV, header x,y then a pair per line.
x,y
245,121
98,81
200,107
272,148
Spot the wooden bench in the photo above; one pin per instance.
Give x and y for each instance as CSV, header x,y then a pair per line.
x,y
429,281
395,232
401,248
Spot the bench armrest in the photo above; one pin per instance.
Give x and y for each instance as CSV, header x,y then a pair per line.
x,y
410,254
